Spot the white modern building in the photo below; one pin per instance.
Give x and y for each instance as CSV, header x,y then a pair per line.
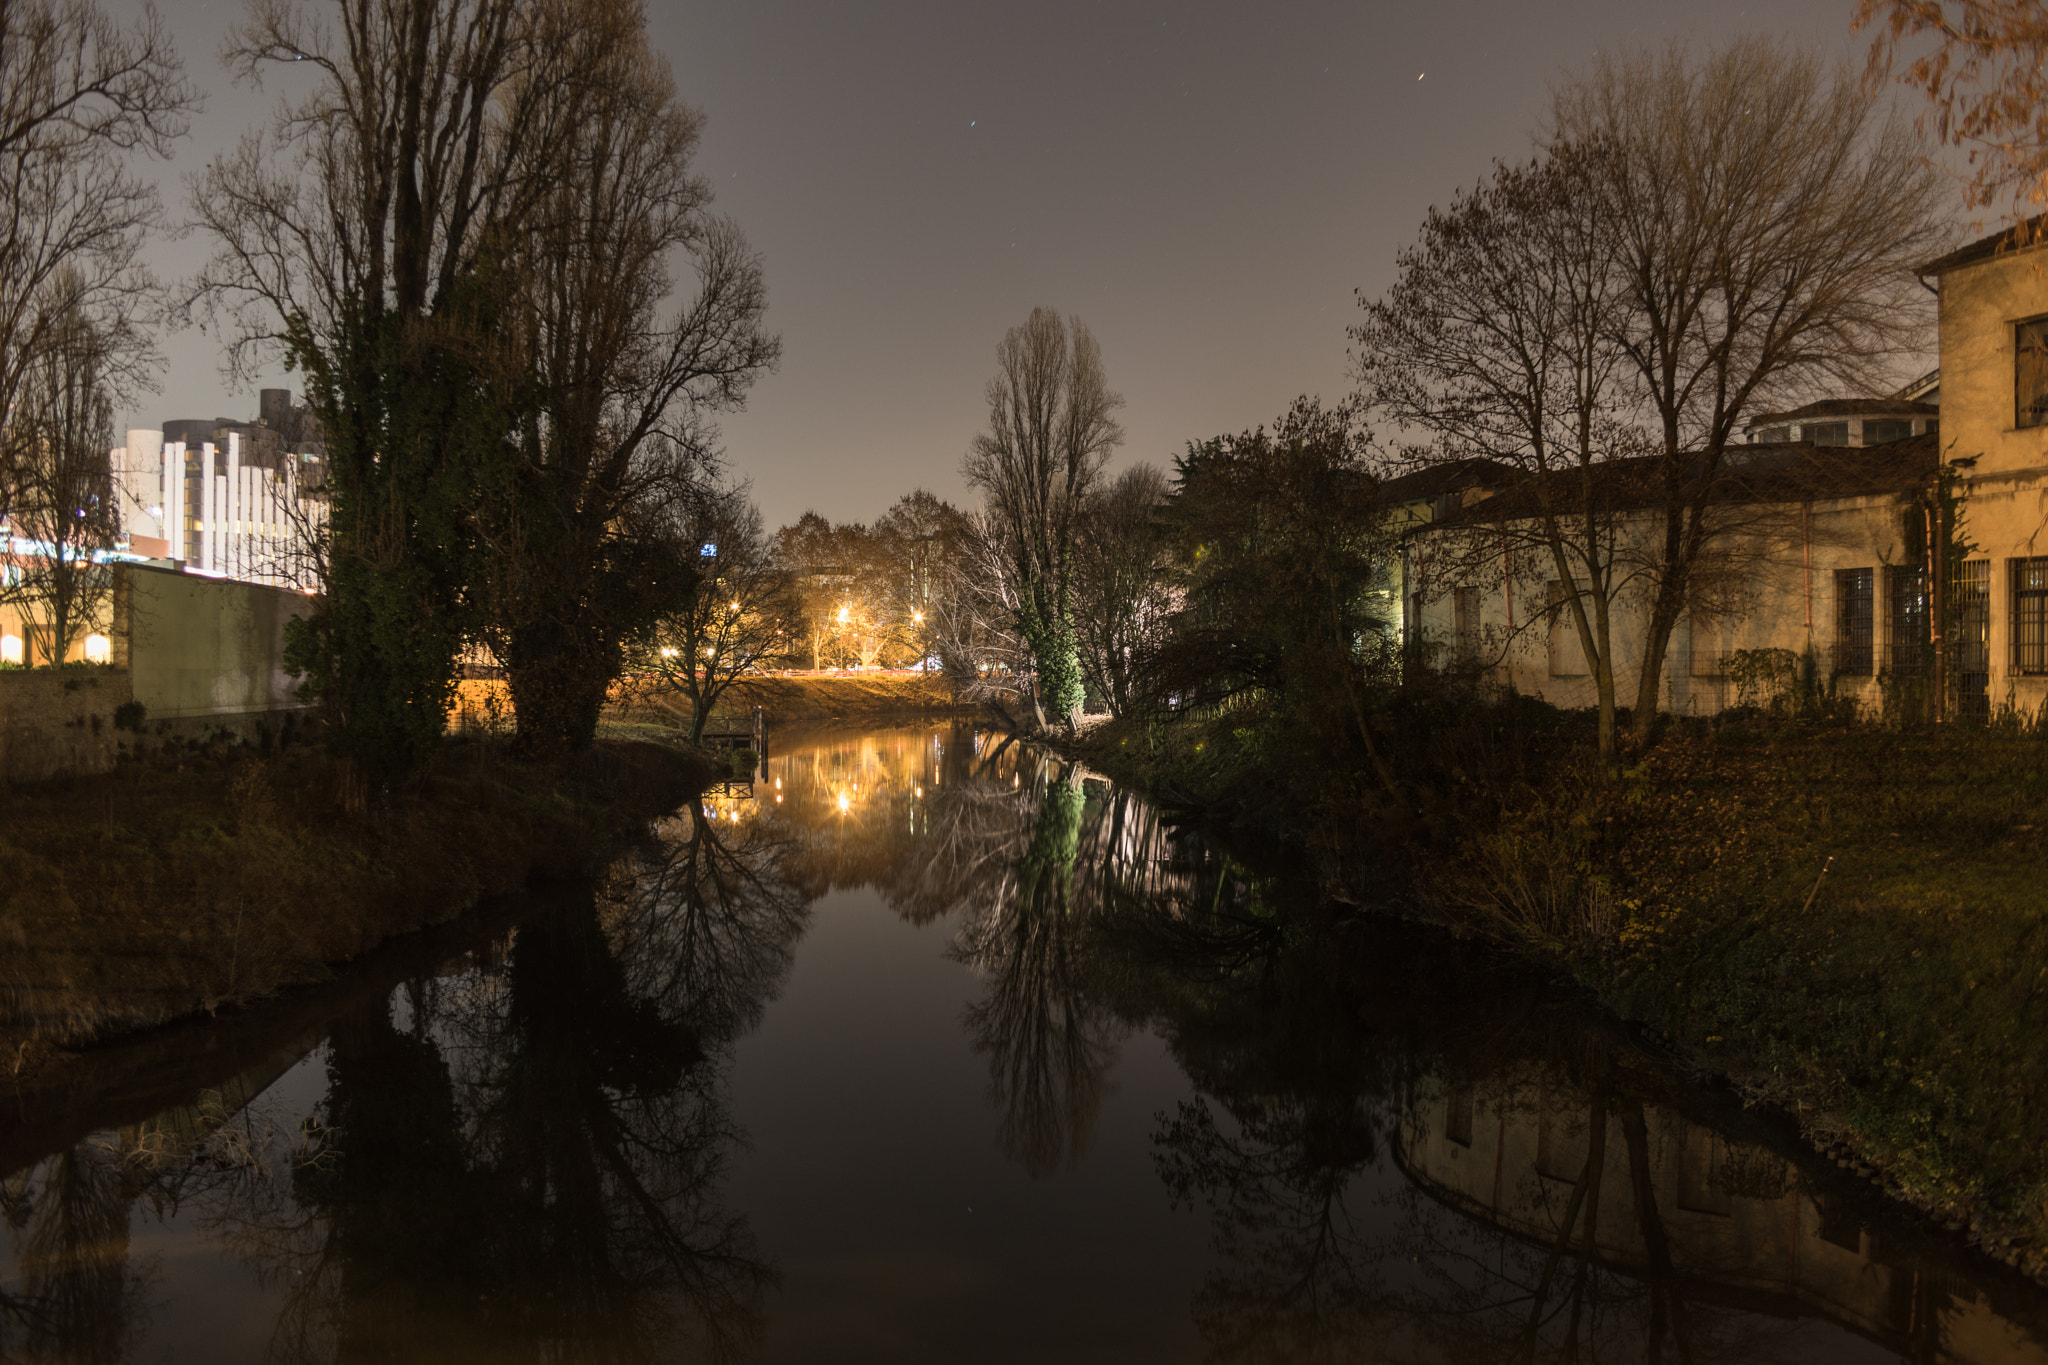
x,y
240,500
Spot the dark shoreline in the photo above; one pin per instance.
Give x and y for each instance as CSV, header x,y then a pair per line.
x,y
1836,1146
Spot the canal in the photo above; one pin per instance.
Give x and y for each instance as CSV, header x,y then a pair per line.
x,y
925,1046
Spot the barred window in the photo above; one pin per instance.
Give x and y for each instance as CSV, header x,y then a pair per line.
x,y
2030,615
1906,620
1855,618
1970,609
2030,373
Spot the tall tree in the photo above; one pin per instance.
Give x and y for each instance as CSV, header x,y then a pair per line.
x,y
360,238
615,434
1120,589
57,443
1766,217
739,618
1502,341
1281,640
1050,432
920,539
79,96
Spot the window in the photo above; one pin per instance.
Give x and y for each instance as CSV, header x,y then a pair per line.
x,y
1465,622
2030,373
1838,1223
1906,637
1770,436
2030,615
1458,1114
1825,433
1853,621
1883,433
1972,612
1702,1162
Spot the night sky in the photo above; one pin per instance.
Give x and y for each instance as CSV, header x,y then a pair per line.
x,y
1205,185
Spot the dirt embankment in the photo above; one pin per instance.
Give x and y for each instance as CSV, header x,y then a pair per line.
x,y
161,891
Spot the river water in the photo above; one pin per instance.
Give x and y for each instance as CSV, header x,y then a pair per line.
x,y
922,1046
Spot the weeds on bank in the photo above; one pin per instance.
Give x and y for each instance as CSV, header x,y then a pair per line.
x,y
1851,920
163,889
1849,916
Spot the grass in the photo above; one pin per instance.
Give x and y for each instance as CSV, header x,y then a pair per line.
x,y
163,890
1900,1001
1850,921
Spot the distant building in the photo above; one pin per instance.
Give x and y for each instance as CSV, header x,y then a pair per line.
x,y
1830,543
241,500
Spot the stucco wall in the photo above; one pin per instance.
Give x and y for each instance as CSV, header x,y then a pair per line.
x,y
205,647
1979,305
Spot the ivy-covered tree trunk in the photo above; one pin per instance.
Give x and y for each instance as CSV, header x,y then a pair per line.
x,y
1056,658
406,440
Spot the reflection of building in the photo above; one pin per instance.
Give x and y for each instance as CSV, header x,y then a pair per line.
x,y
1737,1225
232,499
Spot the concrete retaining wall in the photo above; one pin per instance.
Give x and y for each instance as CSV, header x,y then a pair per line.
x,y
203,656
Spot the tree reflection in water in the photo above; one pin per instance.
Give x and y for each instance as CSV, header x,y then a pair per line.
x,y
523,1159
68,1219
519,1162
1337,1085
1049,1041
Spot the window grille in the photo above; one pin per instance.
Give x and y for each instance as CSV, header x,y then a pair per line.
x,y
1971,612
1854,620
2030,373
2030,615
1906,623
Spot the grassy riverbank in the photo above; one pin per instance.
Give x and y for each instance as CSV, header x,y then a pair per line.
x,y
159,891
1898,1005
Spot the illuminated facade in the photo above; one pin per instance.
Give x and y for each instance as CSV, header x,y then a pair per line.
x,y
228,499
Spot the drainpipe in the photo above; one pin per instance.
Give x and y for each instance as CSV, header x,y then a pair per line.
x,y
1935,611
1806,558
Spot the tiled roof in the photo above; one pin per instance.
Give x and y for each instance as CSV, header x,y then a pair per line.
x,y
2019,237
1789,473
1852,407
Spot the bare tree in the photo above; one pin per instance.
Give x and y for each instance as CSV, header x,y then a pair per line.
x,y
1765,219
64,508
1983,78
351,239
920,540
1119,583
1501,341
981,645
738,619
618,432
78,96
1050,433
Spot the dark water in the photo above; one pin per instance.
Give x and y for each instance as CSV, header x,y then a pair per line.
x,y
924,1048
